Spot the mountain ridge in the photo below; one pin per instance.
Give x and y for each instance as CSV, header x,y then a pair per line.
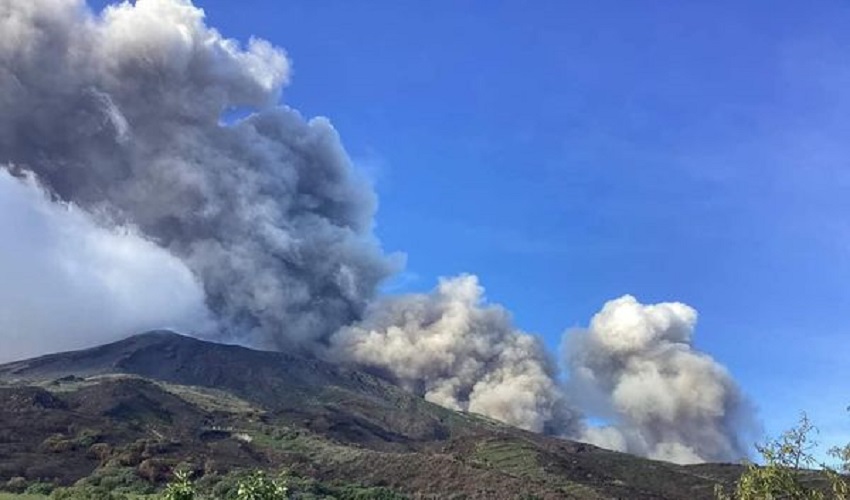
x,y
168,397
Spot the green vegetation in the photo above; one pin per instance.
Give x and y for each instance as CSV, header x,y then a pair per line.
x,y
257,485
792,472
514,457
181,488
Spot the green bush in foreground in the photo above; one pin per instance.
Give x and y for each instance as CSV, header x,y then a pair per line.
x,y
259,487
181,488
256,486
791,472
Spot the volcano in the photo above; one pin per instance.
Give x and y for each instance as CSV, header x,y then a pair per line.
x,y
142,406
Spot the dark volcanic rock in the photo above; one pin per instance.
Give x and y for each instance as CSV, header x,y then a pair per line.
x,y
159,399
375,410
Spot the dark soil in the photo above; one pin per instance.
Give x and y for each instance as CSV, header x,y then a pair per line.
x,y
159,400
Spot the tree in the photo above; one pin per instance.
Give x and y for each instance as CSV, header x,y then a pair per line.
x,y
181,488
258,486
791,472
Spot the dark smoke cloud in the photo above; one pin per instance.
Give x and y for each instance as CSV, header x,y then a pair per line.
x,y
120,113
636,364
111,133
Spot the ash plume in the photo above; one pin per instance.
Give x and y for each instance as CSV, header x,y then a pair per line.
x,y
460,352
69,282
128,202
120,113
636,365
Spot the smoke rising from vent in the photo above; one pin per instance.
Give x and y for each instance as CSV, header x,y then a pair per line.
x,y
112,141
120,113
636,365
460,352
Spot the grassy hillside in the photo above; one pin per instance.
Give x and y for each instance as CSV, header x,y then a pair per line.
x,y
122,417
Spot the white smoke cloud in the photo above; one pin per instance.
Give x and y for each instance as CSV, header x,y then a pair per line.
x,y
636,365
69,283
460,352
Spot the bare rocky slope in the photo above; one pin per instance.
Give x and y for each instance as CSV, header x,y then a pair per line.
x,y
140,407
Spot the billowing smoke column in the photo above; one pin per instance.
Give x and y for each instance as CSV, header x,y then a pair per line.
x,y
459,352
123,191
636,365
120,114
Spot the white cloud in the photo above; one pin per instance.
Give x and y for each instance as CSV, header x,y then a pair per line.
x,y
68,282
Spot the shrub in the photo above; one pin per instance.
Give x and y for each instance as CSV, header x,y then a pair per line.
x,y
87,492
16,484
180,488
153,469
40,488
123,480
255,486
100,451
258,486
787,472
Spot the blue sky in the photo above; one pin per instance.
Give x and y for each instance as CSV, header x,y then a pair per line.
x,y
569,153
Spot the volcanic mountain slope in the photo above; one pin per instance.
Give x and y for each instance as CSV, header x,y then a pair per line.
x,y
158,400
